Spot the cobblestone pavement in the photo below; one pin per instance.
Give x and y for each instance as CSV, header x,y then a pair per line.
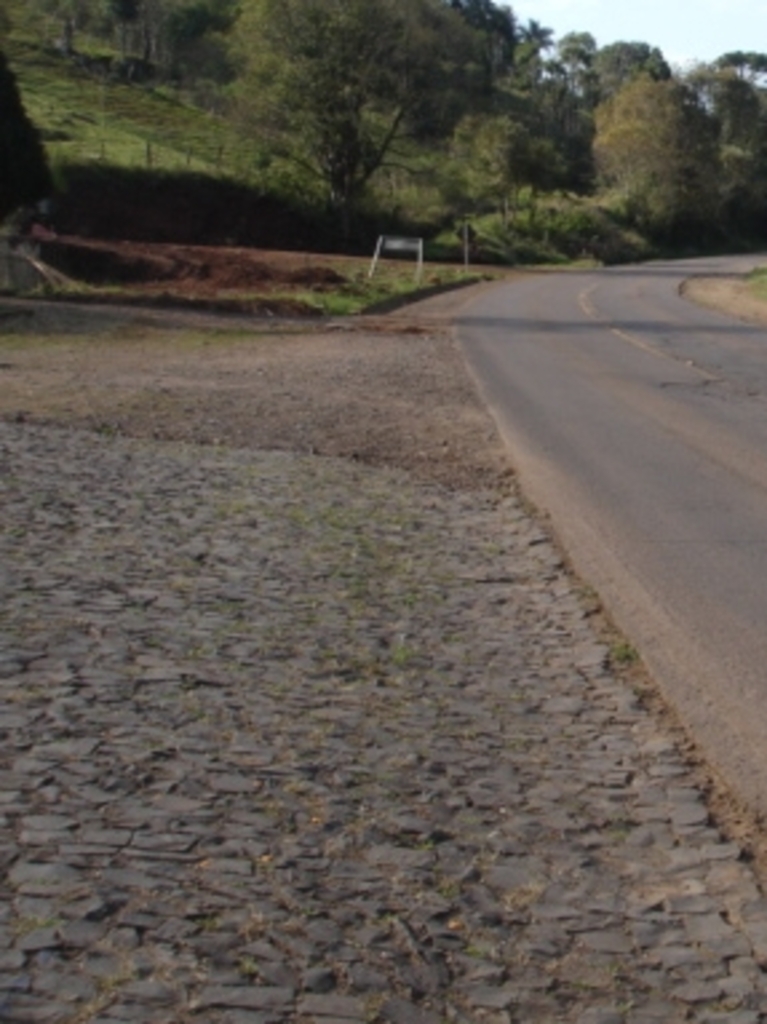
x,y
287,739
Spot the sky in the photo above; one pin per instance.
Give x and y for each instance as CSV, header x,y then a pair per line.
x,y
685,30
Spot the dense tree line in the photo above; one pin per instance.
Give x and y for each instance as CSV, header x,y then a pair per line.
x,y
495,109
183,40
352,98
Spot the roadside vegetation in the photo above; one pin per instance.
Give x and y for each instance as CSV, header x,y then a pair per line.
x,y
322,123
757,284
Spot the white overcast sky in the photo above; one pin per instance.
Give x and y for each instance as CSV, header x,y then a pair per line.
x,y
685,30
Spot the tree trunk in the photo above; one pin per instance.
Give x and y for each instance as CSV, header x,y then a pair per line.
x,y
68,36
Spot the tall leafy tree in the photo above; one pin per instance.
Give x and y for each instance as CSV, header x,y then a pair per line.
x,y
564,118
535,41
537,35
500,157
336,84
498,33
196,34
554,97
620,63
657,145
71,15
24,174
739,108
749,66
125,12
576,52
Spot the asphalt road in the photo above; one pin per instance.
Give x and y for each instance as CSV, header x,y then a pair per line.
x,y
638,421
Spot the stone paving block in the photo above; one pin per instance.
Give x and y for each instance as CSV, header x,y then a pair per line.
x,y
332,1007
401,1011
602,1016
149,991
698,992
294,738
23,1009
40,938
708,928
732,1017
246,997
607,941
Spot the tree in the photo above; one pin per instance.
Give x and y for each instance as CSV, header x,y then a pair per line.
x,y
657,145
500,158
24,174
620,63
497,29
737,105
537,36
71,15
575,56
125,12
565,119
752,67
535,40
336,84
196,36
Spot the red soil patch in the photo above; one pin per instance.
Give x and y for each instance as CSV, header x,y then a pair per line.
x,y
192,272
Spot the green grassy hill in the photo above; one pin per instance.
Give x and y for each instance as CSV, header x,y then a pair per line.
x,y
140,162
85,117
137,161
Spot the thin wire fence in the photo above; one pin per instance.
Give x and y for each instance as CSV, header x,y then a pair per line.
x,y
215,160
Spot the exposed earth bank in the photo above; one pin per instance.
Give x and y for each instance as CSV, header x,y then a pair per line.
x,y
196,274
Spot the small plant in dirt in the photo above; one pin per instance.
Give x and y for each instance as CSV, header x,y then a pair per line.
x,y
623,653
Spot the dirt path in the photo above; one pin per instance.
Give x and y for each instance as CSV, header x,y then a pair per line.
x,y
386,391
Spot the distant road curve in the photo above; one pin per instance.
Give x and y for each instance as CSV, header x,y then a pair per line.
x,y
638,421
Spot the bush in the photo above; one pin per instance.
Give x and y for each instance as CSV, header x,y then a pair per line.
x,y
549,231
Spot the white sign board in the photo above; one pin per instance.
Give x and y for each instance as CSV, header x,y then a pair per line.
x,y
389,243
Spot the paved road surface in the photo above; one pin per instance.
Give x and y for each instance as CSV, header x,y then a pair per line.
x,y
639,422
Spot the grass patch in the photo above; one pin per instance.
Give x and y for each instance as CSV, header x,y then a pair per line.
x,y
362,293
757,283
623,653
86,120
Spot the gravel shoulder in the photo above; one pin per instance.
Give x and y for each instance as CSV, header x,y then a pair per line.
x,y
305,720
726,295
385,391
